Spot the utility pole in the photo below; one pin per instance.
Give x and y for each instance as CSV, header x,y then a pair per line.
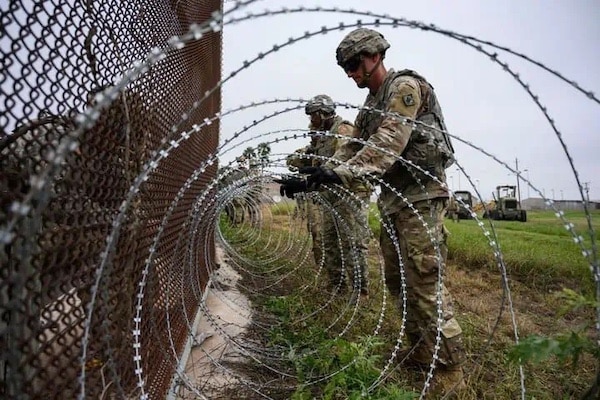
x,y
518,179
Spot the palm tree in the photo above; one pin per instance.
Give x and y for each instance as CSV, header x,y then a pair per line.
x,y
263,151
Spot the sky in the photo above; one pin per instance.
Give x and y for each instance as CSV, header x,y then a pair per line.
x,y
482,104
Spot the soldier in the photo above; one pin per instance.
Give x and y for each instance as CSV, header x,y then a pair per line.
x,y
299,159
421,182
237,208
345,232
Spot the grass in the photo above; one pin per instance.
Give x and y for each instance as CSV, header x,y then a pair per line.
x,y
540,251
310,348
283,207
540,256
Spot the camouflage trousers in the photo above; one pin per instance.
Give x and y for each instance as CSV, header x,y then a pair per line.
x,y
300,208
346,241
235,212
419,260
314,223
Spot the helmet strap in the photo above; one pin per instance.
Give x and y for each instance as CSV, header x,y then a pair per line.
x,y
367,75
324,119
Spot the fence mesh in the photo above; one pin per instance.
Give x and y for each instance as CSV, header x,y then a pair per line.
x,y
68,320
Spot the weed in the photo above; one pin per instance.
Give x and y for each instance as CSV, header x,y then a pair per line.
x,y
540,256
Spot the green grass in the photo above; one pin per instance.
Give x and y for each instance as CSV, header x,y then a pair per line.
x,y
352,363
540,254
540,250
311,349
283,208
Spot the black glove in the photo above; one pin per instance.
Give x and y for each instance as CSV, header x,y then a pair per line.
x,y
319,175
290,186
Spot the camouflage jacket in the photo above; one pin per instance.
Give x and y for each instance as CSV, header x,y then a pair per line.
x,y
327,146
320,145
299,159
403,94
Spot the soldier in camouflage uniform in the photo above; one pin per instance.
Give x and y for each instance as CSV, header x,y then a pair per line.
x,y
345,236
405,95
300,159
235,209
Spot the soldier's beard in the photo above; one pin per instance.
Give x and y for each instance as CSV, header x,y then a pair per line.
x,y
364,80
366,76
363,83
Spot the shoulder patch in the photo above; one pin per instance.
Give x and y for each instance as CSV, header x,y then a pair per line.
x,y
405,101
345,129
408,100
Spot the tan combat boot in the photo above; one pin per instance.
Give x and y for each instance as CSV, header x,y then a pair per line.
x,y
447,381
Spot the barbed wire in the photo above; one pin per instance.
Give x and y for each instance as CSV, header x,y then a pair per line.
x,y
212,201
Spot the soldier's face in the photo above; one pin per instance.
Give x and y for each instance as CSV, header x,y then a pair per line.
x,y
354,69
315,120
358,71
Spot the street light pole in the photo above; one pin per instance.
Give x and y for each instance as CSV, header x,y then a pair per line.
x,y
518,176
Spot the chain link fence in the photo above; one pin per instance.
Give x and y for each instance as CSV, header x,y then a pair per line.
x,y
86,290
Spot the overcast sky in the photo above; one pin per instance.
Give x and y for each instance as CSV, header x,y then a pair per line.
x,y
481,103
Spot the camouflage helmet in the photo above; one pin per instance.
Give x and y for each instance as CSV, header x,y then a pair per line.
x,y
361,40
320,102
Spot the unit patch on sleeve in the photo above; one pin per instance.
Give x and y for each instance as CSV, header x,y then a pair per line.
x,y
408,100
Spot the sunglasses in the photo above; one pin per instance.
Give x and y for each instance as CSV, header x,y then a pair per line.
x,y
353,63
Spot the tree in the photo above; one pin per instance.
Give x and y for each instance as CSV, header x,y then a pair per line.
x,y
263,151
249,154
258,157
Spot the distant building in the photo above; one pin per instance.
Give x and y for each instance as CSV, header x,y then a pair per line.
x,y
537,203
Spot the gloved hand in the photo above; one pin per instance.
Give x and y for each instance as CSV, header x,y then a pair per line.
x,y
290,186
319,175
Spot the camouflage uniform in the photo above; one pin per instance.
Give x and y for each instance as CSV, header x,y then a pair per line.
x,y
295,161
235,209
306,207
407,94
345,235
341,225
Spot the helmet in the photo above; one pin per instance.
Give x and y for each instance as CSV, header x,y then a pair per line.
x,y
320,102
361,40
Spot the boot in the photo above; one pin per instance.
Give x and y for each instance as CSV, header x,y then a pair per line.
x,y
364,293
447,381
